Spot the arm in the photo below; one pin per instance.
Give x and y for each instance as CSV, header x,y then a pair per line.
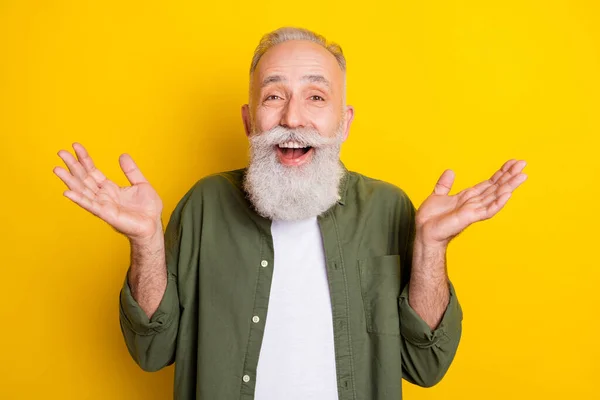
x,y
147,276
430,314
149,327
429,293
431,317
149,300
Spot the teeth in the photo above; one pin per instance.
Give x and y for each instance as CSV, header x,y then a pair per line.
x,y
291,145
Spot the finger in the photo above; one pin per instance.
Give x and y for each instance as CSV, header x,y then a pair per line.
x,y
87,162
77,170
444,184
73,183
503,170
132,172
482,186
518,167
495,206
83,202
71,162
505,167
468,195
508,187
512,184
514,170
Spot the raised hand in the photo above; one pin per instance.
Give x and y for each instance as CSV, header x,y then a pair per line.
x,y
442,216
134,211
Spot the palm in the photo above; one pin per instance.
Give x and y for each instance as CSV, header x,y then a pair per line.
x,y
129,209
132,210
441,216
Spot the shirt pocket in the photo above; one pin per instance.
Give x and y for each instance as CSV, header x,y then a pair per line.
x,y
380,287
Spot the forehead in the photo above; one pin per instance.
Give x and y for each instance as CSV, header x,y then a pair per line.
x,y
297,58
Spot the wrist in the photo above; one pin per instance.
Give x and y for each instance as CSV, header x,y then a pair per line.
x,y
425,242
153,239
429,261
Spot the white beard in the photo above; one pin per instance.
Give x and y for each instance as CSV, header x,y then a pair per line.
x,y
281,192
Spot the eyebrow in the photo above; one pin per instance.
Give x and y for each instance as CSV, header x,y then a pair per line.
x,y
310,78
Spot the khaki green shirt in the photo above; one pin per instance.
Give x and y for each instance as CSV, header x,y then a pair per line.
x,y
219,255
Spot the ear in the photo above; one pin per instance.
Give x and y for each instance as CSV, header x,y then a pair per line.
x,y
349,117
246,119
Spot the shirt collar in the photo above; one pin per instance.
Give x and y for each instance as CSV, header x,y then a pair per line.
x,y
343,185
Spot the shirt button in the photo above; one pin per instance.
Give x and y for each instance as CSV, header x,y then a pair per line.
x,y
264,263
246,378
255,319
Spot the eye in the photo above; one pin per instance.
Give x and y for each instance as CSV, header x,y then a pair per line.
x,y
272,97
317,98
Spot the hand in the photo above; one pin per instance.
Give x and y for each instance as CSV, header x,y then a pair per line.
x,y
134,211
441,216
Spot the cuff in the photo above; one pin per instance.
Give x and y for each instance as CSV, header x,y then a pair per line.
x,y
135,318
416,331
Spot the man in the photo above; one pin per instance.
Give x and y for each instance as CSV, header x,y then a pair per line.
x,y
294,278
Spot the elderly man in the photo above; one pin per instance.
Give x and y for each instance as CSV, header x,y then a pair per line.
x,y
293,278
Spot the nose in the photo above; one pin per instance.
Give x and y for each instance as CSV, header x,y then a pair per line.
x,y
293,115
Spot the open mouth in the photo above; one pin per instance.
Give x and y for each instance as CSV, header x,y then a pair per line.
x,y
293,153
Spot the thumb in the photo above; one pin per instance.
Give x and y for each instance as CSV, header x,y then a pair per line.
x,y
132,172
444,184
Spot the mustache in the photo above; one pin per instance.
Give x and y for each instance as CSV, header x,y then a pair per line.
x,y
304,136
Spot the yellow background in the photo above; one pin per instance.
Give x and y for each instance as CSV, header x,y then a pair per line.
x,y
438,84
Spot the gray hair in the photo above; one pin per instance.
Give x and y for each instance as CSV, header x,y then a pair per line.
x,y
292,33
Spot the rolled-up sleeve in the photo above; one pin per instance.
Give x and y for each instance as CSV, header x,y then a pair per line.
x,y
427,354
151,342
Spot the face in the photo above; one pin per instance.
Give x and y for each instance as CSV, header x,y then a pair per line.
x,y
296,122
298,84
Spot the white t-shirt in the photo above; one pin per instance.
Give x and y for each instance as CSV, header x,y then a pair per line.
x,y
297,358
